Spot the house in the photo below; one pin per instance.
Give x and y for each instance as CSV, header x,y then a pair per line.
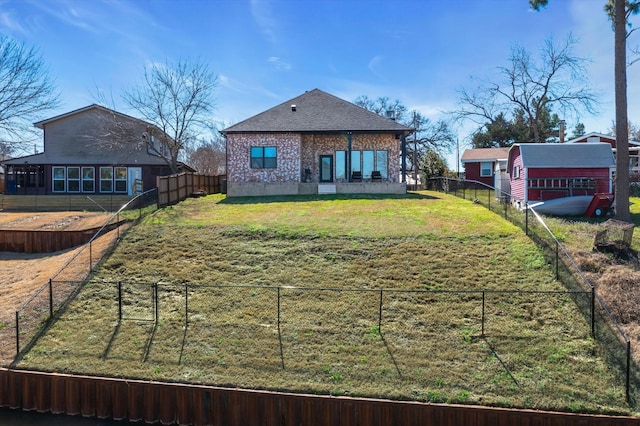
x,y
315,143
89,151
545,171
488,166
634,148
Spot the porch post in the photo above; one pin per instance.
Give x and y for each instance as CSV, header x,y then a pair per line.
x,y
404,158
349,157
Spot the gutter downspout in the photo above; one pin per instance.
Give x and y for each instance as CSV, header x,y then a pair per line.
x,y
349,157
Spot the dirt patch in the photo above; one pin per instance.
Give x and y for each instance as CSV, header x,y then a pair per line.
x,y
70,221
23,274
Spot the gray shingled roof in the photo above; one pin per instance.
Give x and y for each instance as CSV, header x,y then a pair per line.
x,y
483,154
317,111
596,154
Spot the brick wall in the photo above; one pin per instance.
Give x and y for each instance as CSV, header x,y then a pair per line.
x,y
297,152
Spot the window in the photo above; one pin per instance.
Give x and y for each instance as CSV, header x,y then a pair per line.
x,y
120,175
73,179
59,179
516,172
341,164
106,179
486,169
263,157
88,179
368,161
355,161
382,162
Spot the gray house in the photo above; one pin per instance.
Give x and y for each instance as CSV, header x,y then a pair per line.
x,y
315,143
91,150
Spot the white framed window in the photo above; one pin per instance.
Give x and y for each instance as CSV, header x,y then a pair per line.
x,y
88,179
486,169
516,172
120,179
106,179
59,182
73,179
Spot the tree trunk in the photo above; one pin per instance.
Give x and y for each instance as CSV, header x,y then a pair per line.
x,y
622,136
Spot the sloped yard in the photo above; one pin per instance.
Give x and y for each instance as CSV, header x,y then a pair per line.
x,y
390,305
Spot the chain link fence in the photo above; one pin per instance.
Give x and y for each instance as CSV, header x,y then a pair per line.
x,y
605,329
37,311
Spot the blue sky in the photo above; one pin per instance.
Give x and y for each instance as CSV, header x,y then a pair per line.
x,y
268,51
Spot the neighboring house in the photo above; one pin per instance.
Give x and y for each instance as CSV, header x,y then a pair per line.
x,y
545,171
92,150
315,143
634,147
481,164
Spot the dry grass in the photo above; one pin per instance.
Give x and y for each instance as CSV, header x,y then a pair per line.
x,y
536,351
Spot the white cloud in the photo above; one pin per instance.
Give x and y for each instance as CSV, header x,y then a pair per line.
x,y
263,16
7,22
375,64
279,63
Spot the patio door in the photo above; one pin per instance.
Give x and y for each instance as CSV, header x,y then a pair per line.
x,y
326,168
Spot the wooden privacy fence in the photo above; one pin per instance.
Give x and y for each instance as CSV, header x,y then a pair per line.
x,y
175,188
171,403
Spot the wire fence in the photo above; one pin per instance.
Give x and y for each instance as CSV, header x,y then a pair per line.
x,y
604,327
297,322
42,307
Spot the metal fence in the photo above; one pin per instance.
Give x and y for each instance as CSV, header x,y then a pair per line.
x,y
605,329
53,296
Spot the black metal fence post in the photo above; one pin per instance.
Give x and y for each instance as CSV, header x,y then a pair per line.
x,y
380,314
186,304
278,310
483,302
557,260
526,220
155,301
119,301
593,312
17,333
628,382
50,298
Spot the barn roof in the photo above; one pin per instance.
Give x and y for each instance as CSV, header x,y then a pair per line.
x,y
575,155
317,111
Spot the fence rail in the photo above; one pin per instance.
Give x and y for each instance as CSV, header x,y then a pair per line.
x,y
175,188
604,327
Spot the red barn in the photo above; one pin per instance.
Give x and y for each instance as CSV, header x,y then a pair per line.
x,y
545,171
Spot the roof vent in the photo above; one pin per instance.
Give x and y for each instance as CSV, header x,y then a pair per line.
x,y
293,107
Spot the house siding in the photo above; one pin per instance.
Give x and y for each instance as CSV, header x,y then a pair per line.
x,y
239,158
315,145
472,172
600,175
518,185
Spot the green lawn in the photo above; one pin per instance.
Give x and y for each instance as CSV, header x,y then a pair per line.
x,y
401,342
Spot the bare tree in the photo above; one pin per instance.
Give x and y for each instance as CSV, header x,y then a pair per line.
x,y
209,157
178,101
26,92
532,87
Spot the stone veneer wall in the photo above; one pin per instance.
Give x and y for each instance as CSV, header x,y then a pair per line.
x,y
239,158
315,145
297,152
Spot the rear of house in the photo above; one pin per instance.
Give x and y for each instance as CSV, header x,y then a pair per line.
x,y
315,143
541,172
89,151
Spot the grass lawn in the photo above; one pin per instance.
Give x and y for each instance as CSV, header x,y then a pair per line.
x,y
240,254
